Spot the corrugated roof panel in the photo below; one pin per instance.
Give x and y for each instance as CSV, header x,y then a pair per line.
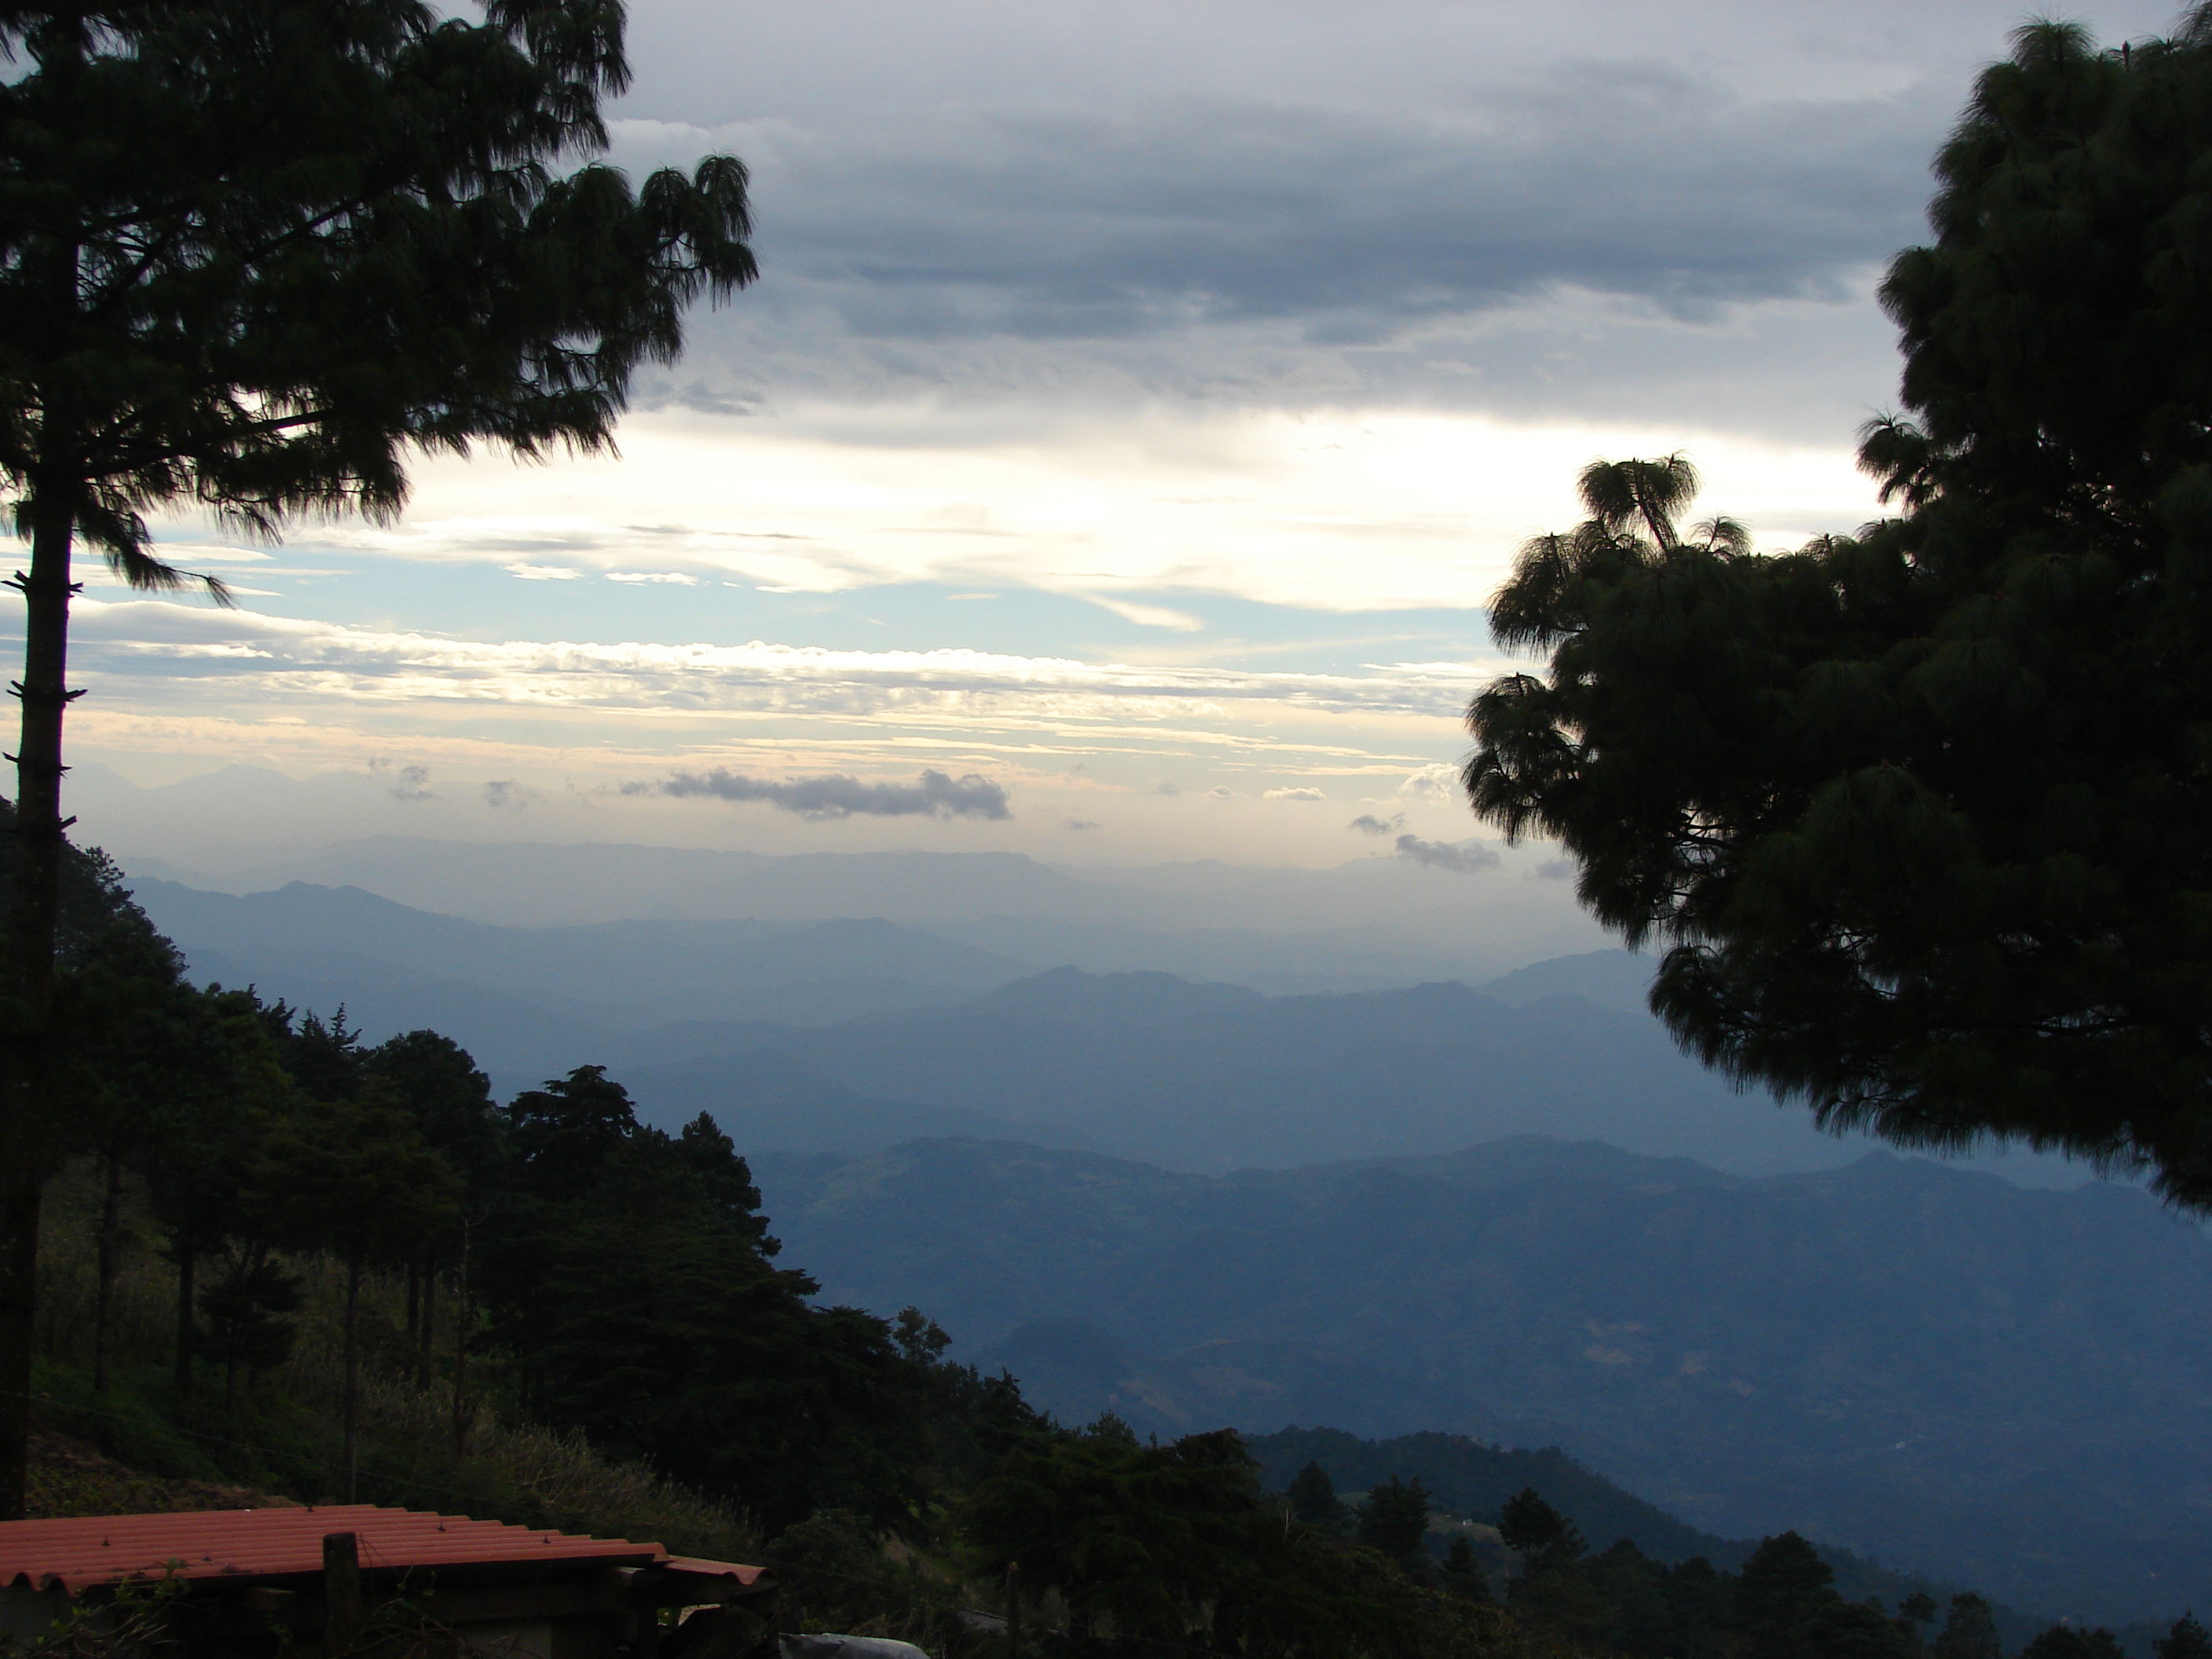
x,y
87,1551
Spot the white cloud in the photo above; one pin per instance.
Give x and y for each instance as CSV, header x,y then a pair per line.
x,y
673,578
1149,616
540,573
1293,794
1436,783
276,656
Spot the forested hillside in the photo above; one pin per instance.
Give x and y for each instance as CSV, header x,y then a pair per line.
x,y
292,1260
1877,1354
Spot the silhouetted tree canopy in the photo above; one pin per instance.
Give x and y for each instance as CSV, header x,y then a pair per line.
x,y
1314,1501
2187,1639
1919,812
631,1276
1537,1532
253,253
1395,1521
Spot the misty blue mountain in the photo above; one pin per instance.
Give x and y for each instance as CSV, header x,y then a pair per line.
x,y
1196,1203
848,1034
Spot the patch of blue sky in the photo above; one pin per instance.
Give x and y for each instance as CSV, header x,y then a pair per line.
x,y
557,601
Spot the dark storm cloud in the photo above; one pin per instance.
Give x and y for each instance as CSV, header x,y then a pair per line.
x,y
1641,183
935,795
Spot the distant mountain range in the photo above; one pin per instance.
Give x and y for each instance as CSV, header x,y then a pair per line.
x,y
1364,924
1215,1077
396,965
852,1035
1935,1368
1198,1204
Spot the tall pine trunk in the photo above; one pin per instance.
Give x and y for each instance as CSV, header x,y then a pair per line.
x,y
110,1252
27,1130
427,1335
352,1408
464,1312
187,1259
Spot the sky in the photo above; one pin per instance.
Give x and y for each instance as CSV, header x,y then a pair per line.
x,y
1137,406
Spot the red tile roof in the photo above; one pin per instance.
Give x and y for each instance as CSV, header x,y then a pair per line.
x,y
228,1543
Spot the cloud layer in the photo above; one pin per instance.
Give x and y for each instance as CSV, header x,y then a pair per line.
x,y
935,795
252,654
1461,858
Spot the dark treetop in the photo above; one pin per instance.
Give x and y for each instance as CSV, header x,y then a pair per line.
x,y
1921,811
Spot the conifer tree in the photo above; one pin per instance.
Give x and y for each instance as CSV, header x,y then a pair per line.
x,y
251,252
1314,1501
1461,1573
1782,1594
2187,1639
1537,1532
1970,1630
2072,1642
356,1179
1395,1519
1918,812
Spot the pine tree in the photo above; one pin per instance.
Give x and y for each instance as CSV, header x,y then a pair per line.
x,y
1537,1532
1314,1501
1782,1594
1395,1519
251,253
1919,811
2187,1639
1970,1630
356,1178
248,1318
1461,1573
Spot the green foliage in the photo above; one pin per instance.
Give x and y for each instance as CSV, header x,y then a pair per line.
x,y
1314,1502
1139,1537
2071,1642
630,1272
1970,1630
1919,811
1461,1571
1395,1522
1783,1595
246,1315
193,310
1537,1532
353,1177
1170,1544
136,1619
2187,1639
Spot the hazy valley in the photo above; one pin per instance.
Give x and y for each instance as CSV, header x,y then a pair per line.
x,y
1510,1210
